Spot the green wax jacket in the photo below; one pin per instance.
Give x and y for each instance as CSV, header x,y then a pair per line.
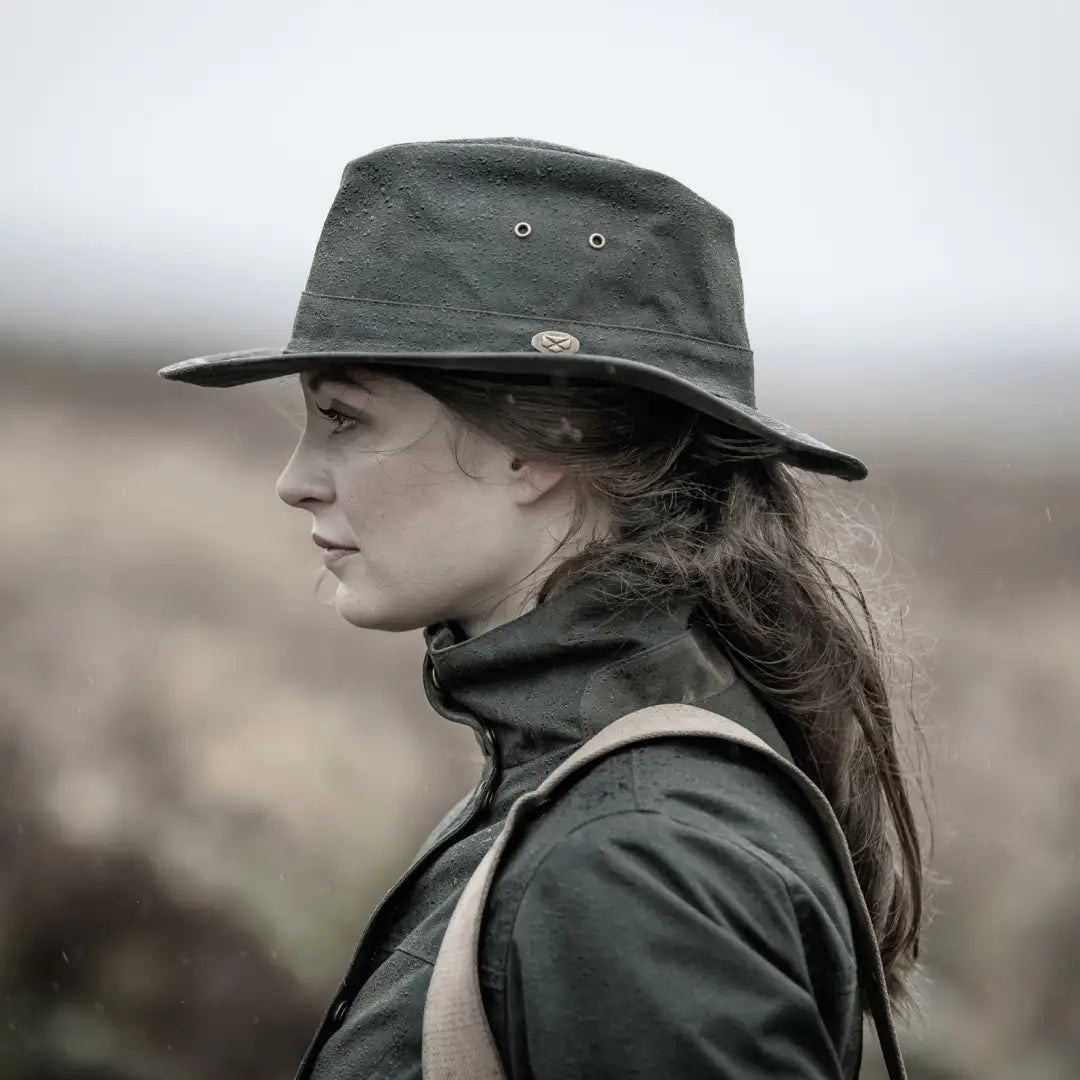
x,y
674,912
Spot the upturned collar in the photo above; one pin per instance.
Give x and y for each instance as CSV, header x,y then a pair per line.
x,y
556,675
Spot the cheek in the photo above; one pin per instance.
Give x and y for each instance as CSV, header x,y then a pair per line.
x,y
397,490
417,501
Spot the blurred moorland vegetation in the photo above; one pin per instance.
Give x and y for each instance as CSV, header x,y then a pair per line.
x,y
207,779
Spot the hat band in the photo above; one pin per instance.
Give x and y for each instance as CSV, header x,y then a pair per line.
x,y
326,323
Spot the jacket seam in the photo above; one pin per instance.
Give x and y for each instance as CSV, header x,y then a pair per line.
x,y
786,876
735,841
724,840
409,952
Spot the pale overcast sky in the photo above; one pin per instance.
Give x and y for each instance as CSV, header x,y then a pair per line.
x,y
903,176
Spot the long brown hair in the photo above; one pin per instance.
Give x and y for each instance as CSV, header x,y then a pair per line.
x,y
698,506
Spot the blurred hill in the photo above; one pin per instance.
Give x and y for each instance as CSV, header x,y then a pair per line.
x,y
209,779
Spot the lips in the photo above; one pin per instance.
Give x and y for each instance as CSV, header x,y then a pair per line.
x,y
330,545
332,556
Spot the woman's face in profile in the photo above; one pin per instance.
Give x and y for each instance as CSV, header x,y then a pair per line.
x,y
418,539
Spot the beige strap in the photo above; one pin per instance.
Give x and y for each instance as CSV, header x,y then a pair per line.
x,y
457,1040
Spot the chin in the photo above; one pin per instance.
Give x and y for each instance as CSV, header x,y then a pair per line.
x,y
365,614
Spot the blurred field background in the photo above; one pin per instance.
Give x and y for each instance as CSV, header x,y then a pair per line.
x,y
208,779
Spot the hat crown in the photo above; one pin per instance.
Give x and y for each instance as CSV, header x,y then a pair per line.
x,y
433,225
528,258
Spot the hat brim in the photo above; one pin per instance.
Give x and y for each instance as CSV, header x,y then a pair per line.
x,y
254,365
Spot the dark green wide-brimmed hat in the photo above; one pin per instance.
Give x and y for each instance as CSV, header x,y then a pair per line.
x,y
520,256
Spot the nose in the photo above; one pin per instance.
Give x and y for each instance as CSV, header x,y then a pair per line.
x,y
303,481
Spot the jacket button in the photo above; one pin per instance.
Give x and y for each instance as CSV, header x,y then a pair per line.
x,y
340,1009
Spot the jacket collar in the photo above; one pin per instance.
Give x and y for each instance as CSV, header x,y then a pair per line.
x,y
556,675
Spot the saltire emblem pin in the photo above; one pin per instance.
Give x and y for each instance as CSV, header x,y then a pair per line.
x,y
555,341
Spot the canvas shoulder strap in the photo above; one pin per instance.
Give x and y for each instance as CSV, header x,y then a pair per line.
x,y
457,1040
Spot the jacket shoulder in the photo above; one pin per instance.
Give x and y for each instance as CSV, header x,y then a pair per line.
x,y
690,934
707,804
736,792
717,787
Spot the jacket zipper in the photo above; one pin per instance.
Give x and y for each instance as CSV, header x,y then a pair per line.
x,y
479,801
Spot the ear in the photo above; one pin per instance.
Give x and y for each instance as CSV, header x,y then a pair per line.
x,y
531,480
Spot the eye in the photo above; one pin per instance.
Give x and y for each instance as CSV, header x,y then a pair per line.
x,y
340,421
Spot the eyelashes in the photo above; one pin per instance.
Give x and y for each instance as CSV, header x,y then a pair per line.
x,y
340,421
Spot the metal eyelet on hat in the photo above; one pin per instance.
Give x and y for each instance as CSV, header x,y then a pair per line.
x,y
597,240
523,228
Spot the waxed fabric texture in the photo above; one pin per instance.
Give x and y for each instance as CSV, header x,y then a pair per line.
x,y
704,973
673,911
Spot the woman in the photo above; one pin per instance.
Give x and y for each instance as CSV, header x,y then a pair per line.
x,y
531,431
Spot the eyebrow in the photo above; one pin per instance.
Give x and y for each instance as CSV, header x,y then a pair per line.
x,y
340,376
